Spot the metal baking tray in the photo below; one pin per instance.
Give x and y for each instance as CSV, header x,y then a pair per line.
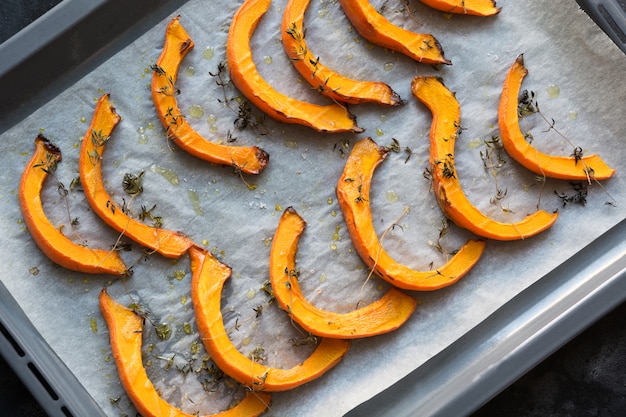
x,y
610,15
454,382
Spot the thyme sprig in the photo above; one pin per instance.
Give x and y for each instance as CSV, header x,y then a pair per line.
x,y
170,89
245,117
447,166
578,196
493,160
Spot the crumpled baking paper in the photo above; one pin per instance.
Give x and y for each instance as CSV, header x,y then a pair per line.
x,y
573,69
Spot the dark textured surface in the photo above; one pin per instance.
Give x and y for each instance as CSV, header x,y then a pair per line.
x,y
587,377
15,399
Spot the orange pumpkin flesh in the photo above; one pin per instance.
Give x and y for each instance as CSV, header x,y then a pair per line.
x,y
446,114
168,243
373,27
52,242
551,166
326,81
472,7
208,278
353,190
381,316
330,118
125,333
250,160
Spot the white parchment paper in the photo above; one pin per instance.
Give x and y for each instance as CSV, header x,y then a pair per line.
x,y
575,71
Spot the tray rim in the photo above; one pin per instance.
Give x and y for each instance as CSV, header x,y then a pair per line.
x,y
610,16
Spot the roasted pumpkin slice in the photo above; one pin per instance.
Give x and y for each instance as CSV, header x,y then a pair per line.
x,y
208,277
50,239
250,159
575,167
375,28
244,74
445,127
473,7
125,333
326,81
353,191
166,242
381,316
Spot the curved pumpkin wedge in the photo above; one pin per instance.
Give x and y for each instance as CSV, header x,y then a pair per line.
x,y
375,28
570,168
381,316
52,242
326,81
472,7
208,277
250,160
168,243
125,333
329,118
353,190
445,127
